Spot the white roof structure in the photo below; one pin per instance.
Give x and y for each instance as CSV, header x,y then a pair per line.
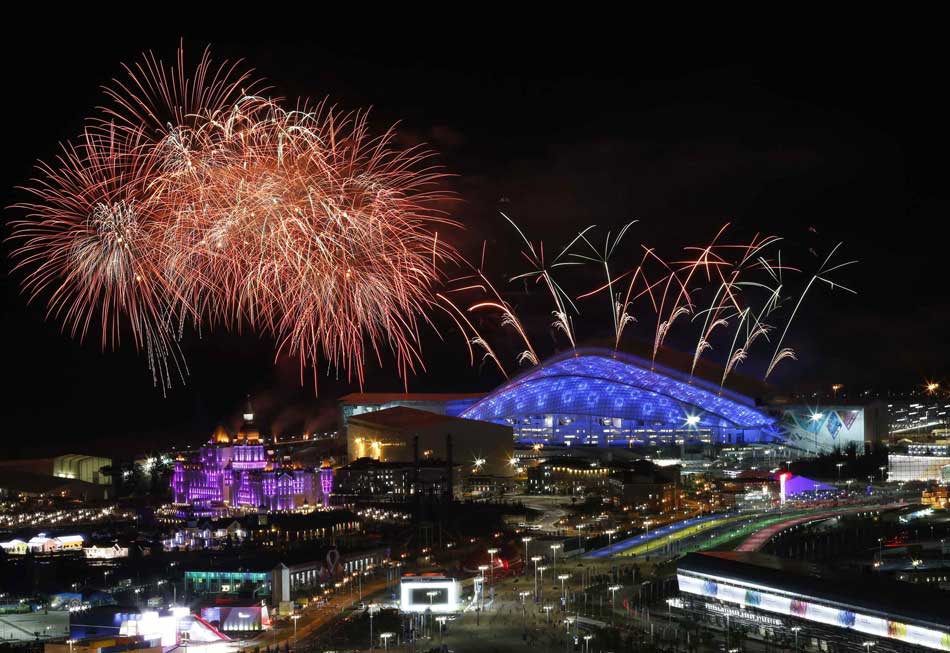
x,y
11,544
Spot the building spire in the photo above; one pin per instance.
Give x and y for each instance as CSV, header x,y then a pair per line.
x,y
249,411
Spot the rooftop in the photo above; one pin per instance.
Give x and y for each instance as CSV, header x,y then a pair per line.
x,y
372,463
387,397
401,417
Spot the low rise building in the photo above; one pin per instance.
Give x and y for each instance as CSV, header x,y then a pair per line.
x,y
570,476
360,403
366,478
15,547
920,463
645,487
106,552
408,435
285,576
79,467
936,497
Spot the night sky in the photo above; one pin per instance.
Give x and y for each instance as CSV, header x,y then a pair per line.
x,y
818,147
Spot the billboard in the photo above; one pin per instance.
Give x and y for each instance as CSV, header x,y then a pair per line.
x,y
823,429
237,618
761,599
429,594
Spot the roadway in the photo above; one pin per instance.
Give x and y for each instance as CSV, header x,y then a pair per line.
x,y
314,618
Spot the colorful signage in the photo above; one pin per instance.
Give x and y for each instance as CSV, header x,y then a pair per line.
x,y
756,598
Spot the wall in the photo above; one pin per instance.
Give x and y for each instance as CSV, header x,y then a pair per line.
x,y
470,440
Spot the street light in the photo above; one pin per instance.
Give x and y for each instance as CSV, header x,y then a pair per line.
x,y
536,560
441,621
385,637
371,610
562,578
610,536
491,571
795,630
547,611
587,639
613,595
525,540
295,617
481,586
883,468
541,571
554,548
868,645
839,466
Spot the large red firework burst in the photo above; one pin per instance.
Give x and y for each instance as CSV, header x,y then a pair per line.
x,y
191,200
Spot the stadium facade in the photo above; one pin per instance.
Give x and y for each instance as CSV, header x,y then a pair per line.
x,y
795,600
603,397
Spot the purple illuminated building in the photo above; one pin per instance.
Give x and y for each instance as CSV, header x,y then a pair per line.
x,y
236,472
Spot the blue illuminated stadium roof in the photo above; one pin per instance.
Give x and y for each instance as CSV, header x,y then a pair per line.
x,y
609,383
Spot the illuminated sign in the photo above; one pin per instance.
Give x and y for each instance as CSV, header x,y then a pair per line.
x,y
106,552
750,596
436,594
151,625
743,614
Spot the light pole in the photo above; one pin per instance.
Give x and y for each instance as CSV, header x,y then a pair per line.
x,y
481,591
554,548
523,594
795,630
541,594
868,645
839,466
371,609
536,560
295,617
491,571
547,612
610,536
525,540
441,621
613,594
385,637
883,468
587,639
562,578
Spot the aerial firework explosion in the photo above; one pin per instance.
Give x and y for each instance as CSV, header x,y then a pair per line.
x,y
192,199
733,294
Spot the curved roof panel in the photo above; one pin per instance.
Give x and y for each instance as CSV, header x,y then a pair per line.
x,y
608,383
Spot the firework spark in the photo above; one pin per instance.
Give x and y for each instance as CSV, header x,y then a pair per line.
x,y
743,282
191,200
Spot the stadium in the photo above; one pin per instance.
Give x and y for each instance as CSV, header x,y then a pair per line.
x,y
604,397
